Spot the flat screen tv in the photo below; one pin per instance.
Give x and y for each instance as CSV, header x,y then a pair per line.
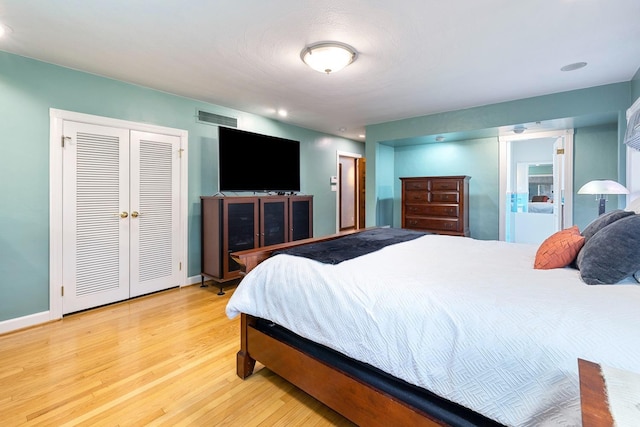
x,y
252,162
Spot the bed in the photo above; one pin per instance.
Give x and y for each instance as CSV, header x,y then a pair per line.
x,y
431,330
540,207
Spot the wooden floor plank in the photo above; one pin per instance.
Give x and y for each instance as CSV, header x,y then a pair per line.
x,y
166,359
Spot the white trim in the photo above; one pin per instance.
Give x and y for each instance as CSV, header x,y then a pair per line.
x,y
55,216
633,109
338,155
503,141
192,280
55,193
24,322
633,174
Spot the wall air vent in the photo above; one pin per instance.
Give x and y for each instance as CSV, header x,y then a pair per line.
x,y
216,119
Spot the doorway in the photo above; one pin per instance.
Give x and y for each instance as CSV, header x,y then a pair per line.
x,y
350,192
536,185
118,222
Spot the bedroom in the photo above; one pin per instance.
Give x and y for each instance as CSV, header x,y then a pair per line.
x,y
30,88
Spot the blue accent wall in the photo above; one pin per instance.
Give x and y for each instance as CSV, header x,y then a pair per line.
x,y
476,158
596,154
29,88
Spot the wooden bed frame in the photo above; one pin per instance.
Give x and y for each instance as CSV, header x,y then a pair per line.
x,y
354,399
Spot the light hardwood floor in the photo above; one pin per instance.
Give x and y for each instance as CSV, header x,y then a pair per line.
x,y
166,359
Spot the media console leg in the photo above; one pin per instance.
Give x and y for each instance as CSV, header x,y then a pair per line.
x,y
221,291
202,284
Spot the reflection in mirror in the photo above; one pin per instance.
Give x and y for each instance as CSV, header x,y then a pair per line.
x,y
540,183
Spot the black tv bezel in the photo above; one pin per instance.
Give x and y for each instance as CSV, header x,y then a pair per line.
x,y
286,158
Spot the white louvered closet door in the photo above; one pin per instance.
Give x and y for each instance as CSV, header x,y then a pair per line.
x,y
155,191
121,214
95,215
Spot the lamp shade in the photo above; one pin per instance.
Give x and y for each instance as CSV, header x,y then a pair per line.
x,y
603,186
328,57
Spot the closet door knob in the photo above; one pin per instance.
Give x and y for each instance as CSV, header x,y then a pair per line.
x,y
124,215
134,214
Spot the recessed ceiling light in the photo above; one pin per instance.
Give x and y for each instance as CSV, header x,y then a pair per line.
x,y
574,66
439,138
282,113
343,129
361,136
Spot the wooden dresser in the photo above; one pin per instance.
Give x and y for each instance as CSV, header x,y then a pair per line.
x,y
438,204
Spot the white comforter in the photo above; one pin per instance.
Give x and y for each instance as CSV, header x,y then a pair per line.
x,y
470,320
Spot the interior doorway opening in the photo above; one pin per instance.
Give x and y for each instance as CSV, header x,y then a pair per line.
x,y
536,185
350,191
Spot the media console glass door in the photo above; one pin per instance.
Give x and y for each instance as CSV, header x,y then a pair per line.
x,y
241,229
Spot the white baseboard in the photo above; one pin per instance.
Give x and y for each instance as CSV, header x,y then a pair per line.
x,y
193,280
45,316
24,322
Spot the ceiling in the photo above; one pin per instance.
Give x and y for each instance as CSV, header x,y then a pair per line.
x,y
415,57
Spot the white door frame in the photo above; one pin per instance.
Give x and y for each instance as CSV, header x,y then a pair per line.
x,y
55,193
504,141
337,184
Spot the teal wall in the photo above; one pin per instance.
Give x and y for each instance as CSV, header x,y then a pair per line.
x,y
596,153
478,156
29,88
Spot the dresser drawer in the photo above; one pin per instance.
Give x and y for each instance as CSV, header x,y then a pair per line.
x,y
437,197
416,185
432,210
433,224
444,185
419,196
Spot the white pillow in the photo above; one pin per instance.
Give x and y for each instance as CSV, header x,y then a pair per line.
x,y
634,205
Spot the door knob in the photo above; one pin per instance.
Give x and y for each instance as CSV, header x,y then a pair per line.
x,y
134,214
124,215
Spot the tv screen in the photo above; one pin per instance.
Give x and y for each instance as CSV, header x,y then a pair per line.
x,y
252,162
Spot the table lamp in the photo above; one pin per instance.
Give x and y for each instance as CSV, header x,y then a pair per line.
x,y
602,187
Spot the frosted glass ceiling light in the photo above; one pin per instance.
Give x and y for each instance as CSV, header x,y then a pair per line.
x,y
328,57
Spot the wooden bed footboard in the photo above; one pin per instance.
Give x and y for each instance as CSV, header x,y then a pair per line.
x,y
361,403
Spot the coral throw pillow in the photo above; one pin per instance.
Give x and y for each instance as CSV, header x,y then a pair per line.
x,y
560,249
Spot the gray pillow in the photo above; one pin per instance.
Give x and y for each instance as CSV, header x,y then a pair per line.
x,y
602,221
611,254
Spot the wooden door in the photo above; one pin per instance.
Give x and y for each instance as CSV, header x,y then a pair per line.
x,y
362,174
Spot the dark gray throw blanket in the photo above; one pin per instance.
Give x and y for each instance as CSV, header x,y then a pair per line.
x,y
353,245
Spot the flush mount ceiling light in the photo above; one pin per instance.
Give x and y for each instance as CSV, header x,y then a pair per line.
x,y
519,129
328,57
